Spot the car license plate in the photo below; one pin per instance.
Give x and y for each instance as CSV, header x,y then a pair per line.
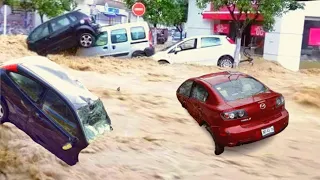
x,y
267,131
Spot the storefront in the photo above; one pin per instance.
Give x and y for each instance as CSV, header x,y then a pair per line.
x,y
109,12
253,35
310,47
294,42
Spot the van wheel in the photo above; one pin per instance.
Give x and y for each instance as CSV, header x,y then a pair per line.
x,y
86,40
3,112
219,149
138,54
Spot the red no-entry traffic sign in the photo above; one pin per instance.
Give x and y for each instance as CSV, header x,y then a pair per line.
x,y
138,9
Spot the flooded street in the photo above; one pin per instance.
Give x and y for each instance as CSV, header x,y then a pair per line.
x,y
155,138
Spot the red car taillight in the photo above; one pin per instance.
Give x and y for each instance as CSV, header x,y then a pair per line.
x,y
230,40
233,115
12,67
280,101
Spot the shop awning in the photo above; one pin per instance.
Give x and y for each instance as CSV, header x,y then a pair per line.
x,y
224,14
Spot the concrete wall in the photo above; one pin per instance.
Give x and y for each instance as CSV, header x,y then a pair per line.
x,y
284,44
196,25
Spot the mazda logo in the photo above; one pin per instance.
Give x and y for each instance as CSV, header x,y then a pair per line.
x,y
262,106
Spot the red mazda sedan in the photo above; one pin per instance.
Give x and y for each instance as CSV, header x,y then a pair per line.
x,y
234,107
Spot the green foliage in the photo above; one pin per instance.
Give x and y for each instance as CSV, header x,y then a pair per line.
x,y
69,5
169,12
176,13
11,2
27,6
50,8
269,9
154,9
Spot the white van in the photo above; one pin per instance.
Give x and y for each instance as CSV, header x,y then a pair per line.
x,y
122,40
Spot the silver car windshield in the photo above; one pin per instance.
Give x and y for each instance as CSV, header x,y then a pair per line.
x,y
94,120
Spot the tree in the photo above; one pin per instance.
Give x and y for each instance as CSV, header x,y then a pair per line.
x,y
69,5
176,14
243,9
154,12
50,8
154,9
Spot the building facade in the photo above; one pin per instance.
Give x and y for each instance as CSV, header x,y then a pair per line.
x,y
18,21
106,12
294,42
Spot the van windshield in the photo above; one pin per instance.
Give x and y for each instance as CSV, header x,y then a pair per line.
x,y
240,88
94,120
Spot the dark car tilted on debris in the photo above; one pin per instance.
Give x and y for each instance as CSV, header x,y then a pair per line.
x,y
55,110
70,30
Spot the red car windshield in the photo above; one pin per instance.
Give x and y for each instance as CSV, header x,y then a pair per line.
x,y
240,88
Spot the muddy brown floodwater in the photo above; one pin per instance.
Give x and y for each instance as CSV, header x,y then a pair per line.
x,y
155,138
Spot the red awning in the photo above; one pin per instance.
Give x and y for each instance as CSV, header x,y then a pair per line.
x,y
224,14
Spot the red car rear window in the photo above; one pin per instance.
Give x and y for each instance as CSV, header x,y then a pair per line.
x,y
240,88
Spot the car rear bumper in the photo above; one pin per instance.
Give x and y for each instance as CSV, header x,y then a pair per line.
x,y
238,135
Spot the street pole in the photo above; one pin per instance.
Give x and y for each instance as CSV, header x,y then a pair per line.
x,y
138,18
5,19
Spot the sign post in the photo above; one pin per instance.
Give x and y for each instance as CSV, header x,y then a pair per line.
x,y
5,20
4,11
138,9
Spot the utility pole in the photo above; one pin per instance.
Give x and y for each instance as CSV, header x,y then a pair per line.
x,y
4,18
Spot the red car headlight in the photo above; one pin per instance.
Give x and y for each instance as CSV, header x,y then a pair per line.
x,y
233,115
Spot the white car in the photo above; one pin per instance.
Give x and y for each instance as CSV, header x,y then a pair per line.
x,y
122,40
202,50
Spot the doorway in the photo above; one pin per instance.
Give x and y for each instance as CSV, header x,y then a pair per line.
x,y
246,37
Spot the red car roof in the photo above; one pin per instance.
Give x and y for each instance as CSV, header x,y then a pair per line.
x,y
220,77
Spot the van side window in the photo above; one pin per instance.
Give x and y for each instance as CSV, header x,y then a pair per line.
x,y
102,39
137,33
119,36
